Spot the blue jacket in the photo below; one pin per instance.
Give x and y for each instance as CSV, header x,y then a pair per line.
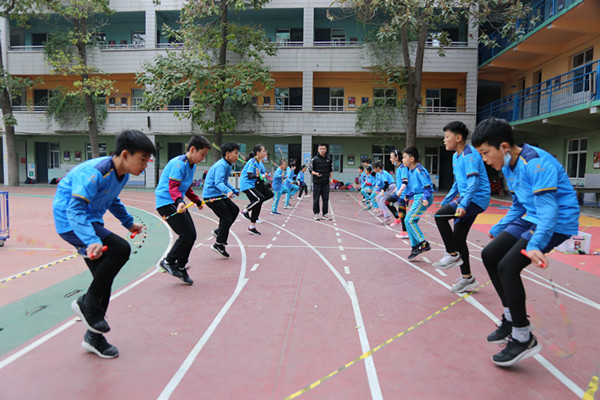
x,y
179,169
248,176
217,180
278,179
471,181
419,183
85,194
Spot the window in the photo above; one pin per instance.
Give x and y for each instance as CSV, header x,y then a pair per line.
x,y
179,104
432,160
54,156
138,39
101,147
337,154
282,35
433,98
137,96
441,100
40,98
336,99
39,39
282,98
338,36
576,157
385,97
581,73
100,38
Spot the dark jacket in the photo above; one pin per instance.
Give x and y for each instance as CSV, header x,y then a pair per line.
x,y
322,165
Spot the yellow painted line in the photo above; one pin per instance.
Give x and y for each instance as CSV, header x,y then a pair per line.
x,y
591,389
373,350
12,278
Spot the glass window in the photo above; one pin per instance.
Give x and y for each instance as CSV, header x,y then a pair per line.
x,y
338,35
432,159
282,98
385,97
54,156
576,157
282,35
336,99
138,39
137,96
433,98
582,72
337,154
102,148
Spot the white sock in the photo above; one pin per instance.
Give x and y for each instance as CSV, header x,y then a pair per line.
x,y
520,334
252,226
507,314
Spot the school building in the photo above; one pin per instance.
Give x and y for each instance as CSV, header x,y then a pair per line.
x,y
321,72
546,85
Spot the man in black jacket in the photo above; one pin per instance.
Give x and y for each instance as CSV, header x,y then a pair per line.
x,y
321,168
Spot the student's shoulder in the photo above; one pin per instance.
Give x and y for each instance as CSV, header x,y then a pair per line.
x,y
421,169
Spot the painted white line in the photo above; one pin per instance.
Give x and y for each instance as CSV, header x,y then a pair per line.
x,y
262,255
406,242
254,267
337,234
283,226
426,260
278,232
63,327
339,240
343,257
341,248
274,238
347,270
269,246
439,271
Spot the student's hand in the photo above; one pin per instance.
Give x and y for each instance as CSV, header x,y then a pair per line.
x,y
200,204
136,228
425,203
180,207
230,195
538,258
460,212
94,251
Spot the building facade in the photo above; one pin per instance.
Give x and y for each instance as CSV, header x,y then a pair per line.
x,y
321,73
546,85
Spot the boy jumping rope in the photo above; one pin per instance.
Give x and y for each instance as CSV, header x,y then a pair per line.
x,y
82,198
472,187
174,185
419,189
544,214
216,186
396,196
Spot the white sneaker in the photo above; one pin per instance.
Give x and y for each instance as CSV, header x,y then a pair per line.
x,y
464,285
317,217
259,221
448,261
326,217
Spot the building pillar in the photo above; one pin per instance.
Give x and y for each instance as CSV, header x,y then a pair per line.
x,y
150,29
309,27
307,90
471,92
5,159
152,168
5,39
306,156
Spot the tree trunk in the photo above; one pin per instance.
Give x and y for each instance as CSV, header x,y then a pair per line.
x,y
9,131
222,62
90,103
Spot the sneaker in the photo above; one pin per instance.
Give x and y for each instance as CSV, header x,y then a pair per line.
x,y
316,217
448,261
91,313
419,249
464,285
185,278
170,269
219,248
502,333
396,222
402,235
275,213
388,220
215,233
259,221
515,351
326,217
96,343
367,208
253,231
286,207
245,214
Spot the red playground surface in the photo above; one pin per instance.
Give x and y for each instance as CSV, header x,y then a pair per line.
x,y
309,309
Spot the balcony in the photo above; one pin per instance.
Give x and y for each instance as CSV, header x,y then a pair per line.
x,y
557,95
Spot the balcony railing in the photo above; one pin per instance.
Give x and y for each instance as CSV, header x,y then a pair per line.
x,y
576,87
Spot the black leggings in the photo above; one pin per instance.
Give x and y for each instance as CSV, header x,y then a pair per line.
x,y
256,199
105,268
455,240
227,212
183,225
400,212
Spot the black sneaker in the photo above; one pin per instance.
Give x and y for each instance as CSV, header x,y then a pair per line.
x,y
246,214
515,351
425,246
91,313
253,231
184,276
219,248
170,269
97,344
501,334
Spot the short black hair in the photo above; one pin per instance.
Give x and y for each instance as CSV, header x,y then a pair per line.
x,y
229,147
198,142
494,132
360,167
458,128
412,151
377,164
369,169
321,144
303,166
133,141
366,160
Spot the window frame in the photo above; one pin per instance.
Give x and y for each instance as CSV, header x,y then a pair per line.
x,y
581,157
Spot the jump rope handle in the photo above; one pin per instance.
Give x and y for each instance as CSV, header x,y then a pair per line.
x,y
524,252
104,248
133,234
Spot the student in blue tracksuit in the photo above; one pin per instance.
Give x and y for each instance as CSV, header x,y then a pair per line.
x,y
396,196
377,185
387,188
544,213
367,188
289,187
174,185
468,197
419,189
301,183
278,177
217,187
82,198
251,177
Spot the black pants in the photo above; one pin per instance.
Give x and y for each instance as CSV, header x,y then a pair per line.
x,y
105,268
400,212
183,225
320,189
456,240
227,212
256,199
303,189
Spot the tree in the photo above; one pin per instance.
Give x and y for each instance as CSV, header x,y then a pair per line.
x,y
220,90
67,53
410,23
17,9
